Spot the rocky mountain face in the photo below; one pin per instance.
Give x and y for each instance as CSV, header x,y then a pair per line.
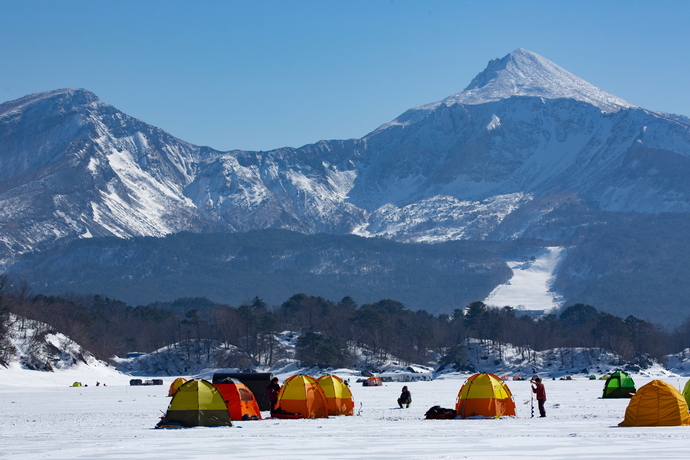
x,y
527,150
73,167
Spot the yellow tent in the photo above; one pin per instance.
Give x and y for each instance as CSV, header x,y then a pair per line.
x,y
484,395
177,383
656,404
300,394
337,394
198,403
76,384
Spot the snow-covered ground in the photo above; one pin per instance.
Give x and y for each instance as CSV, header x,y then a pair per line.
x,y
531,287
45,418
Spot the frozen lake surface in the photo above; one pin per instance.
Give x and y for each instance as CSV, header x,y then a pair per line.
x,y
45,418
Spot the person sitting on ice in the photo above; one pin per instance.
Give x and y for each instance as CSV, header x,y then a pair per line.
x,y
405,398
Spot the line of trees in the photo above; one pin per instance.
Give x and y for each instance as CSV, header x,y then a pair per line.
x,y
331,332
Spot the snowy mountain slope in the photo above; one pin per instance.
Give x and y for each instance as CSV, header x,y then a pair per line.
x,y
441,218
75,167
532,146
301,190
532,284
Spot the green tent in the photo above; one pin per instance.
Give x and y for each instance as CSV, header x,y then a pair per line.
x,y
198,403
619,385
686,392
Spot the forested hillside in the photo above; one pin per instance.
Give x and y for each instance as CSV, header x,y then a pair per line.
x,y
633,265
328,329
230,268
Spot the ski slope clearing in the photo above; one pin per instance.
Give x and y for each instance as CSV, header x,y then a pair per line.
x,y
531,287
52,420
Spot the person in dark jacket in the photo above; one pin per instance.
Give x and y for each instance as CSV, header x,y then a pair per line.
x,y
272,390
405,398
540,392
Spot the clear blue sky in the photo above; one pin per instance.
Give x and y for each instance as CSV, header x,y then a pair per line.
x,y
257,74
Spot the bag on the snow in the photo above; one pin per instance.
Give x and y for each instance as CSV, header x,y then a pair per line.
x,y
438,412
280,413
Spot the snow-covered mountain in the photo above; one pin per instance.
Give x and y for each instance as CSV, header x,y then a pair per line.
x,y
74,167
527,150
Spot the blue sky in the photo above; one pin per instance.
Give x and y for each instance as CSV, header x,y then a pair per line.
x,y
257,75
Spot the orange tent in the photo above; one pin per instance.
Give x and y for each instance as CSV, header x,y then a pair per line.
x,y
656,404
177,383
373,381
337,394
240,400
484,395
300,394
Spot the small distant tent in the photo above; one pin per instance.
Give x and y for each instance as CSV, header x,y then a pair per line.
x,y
656,404
619,385
198,403
484,395
76,384
177,383
373,381
300,394
239,399
338,395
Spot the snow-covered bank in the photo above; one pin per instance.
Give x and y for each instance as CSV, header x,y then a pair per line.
x,y
31,344
531,287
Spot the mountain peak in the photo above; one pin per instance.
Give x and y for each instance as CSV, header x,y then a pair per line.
x,y
74,96
525,73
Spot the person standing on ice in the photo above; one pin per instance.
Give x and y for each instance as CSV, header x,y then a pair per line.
x,y
540,392
405,398
272,390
